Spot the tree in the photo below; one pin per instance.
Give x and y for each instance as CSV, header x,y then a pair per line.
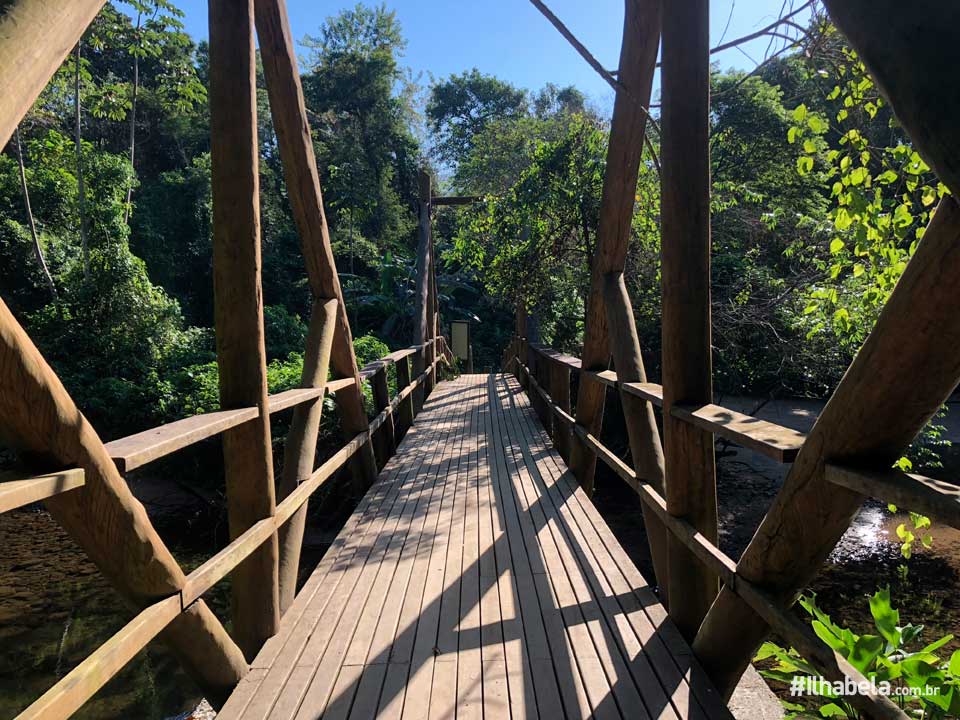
x,y
462,106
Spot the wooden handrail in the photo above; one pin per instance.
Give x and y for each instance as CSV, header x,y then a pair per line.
x,y
81,683
936,498
136,450
775,441
832,665
17,490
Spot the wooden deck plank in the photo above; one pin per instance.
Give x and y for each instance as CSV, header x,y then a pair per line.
x,y
594,538
330,648
359,533
475,580
469,654
619,631
535,588
570,580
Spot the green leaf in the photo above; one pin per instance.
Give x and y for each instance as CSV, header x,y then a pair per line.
x,y
843,219
887,177
885,617
809,147
954,666
858,175
858,270
816,124
929,196
792,135
804,164
800,113
836,245
832,710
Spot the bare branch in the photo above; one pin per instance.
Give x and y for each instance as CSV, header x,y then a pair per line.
x,y
602,71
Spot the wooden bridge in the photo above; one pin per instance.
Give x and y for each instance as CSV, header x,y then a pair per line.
x,y
475,578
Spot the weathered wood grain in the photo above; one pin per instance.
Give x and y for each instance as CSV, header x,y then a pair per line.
x,y
282,75
301,446
691,490
35,38
39,421
775,441
238,313
638,55
17,490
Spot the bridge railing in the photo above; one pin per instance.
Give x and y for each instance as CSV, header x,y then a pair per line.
x,y
546,376
394,416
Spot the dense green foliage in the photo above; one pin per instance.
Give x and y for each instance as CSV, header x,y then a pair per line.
x,y
818,203
894,658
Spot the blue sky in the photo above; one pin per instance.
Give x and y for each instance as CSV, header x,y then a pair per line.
x,y
511,39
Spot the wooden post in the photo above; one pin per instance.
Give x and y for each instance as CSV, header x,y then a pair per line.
x,y
424,310
645,449
301,447
433,304
289,113
385,443
691,490
405,410
560,392
35,38
238,306
39,420
908,365
638,54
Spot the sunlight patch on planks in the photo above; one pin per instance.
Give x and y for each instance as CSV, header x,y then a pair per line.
x,y
475,579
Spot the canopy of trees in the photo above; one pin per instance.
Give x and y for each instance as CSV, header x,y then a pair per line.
x,y
105,249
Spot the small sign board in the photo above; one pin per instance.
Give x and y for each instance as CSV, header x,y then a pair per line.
x,y
460,338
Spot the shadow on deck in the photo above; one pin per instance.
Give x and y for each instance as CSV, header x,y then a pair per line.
x,y
475,579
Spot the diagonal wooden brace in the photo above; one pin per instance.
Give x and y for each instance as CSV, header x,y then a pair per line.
x,y
39,420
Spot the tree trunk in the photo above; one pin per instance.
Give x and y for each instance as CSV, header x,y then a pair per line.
x,y
691,486
37,248
638,55
421,320
306,201
81,187
133,117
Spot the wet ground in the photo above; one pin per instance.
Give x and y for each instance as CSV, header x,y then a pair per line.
x,y
55,608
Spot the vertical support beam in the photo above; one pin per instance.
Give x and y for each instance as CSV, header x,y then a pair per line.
x,y
685,225
424,309
405,409
39,420
385,443
289,113
238,308
434,319
560,392
299,453
638,54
